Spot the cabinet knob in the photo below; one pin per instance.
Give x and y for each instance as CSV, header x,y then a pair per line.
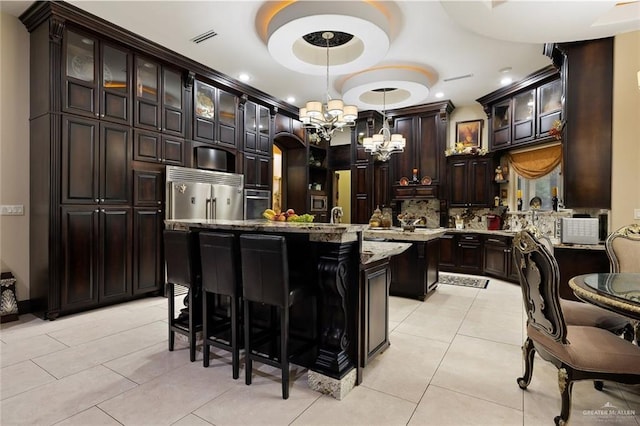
x,y
97,115
97,200
159,202
159,211
159,128
101,115
102,210
96,210
102,200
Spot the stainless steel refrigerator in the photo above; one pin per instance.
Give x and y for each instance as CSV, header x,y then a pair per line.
x,y
203,194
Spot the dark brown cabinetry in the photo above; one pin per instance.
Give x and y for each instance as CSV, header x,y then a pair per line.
x,y
158,148
215,115
95,257
159,97
148,264
573,262
257,146
525,111
461,253
96,78
375,280
95,158
498,258
368,178
471,181
414,272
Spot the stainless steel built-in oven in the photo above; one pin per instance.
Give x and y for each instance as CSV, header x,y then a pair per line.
x,y
256,202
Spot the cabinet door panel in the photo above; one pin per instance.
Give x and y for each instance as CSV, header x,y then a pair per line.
x,y
495,260
172,102
146,146
173,150
78,285
546,123
362,208
147,250
523,131
250,170
264,146
115,84
204,130
114,164
79,160
227,135
402,164
80,98
501,138
115,254
481,173
458,183
377,283
80,74
469,257
148,115
250,141
264,172
148,188
147,94
430,152
448,251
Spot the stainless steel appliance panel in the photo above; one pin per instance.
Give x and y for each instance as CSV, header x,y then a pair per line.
x,y
226,203
255,202
189,200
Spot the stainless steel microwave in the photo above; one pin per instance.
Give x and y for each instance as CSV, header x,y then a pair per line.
x,y
318,203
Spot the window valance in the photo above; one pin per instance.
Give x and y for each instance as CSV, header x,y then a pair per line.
x,y
536,163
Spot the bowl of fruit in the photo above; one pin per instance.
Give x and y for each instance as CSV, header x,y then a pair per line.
x,y
287,216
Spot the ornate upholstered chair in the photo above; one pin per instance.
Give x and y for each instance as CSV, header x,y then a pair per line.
x,y
623,249
579,313
579,352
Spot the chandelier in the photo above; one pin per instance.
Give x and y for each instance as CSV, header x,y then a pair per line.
x,y
384,143
327,117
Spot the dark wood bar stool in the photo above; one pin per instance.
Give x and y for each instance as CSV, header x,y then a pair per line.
x,y
220,272
265,280
182,257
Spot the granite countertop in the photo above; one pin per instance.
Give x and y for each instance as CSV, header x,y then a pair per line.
x,y
397,234
373,251
321,232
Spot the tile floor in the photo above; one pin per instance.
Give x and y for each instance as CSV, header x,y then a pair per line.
x,y
453,360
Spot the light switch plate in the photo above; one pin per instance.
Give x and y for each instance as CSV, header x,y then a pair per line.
x,y
12,210
636,213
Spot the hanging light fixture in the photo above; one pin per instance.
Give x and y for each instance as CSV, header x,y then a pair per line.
x,y
327,117
384,143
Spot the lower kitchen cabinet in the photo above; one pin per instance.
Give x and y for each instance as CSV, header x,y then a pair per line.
x,y
577,261
96,259
375,280
461,253
414,273
148,265
498,258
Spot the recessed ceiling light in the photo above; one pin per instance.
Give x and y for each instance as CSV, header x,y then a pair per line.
x,y
505,81
505,69
291,99
439,95
244,77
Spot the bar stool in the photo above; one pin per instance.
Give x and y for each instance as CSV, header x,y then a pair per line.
x,y
220,272
265,279
182,257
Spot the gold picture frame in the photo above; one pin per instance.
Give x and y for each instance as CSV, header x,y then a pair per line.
x,y
469,133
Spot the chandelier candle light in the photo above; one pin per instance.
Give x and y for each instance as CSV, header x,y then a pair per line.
x,y
326,117
383,144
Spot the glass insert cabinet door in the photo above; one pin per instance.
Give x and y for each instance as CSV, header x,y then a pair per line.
x,y
205,101
147,80
80,57
523,116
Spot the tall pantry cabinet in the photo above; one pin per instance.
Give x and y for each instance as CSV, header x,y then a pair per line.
x,y
82,188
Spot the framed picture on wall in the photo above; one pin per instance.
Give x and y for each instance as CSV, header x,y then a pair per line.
x,y
469,133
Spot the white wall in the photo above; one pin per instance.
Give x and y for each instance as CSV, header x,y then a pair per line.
x,y
14,149
625,179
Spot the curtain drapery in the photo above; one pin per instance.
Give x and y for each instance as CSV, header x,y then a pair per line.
x,y
536,163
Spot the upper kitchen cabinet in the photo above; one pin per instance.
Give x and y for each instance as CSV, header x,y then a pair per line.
x,y
257,129
471,181
215,115
425,129
525,111
96,78
159,96
289,126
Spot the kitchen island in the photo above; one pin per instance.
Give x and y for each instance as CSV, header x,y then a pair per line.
x,y
414,273
352,278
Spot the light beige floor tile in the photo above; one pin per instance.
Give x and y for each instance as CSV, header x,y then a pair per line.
x,y
78,358
393,325
443,407
25,349
261,402
483,369
451,297
168,398
400,308
406,367
135,305
503,296
147,364
191,420
83,333
362,406
63,398
492,324
93,416
441,326
21,377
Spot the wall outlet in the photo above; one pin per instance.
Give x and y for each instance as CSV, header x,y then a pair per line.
x,y
636,213
12,210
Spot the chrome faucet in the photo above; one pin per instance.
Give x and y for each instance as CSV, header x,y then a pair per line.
x,y
336,215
